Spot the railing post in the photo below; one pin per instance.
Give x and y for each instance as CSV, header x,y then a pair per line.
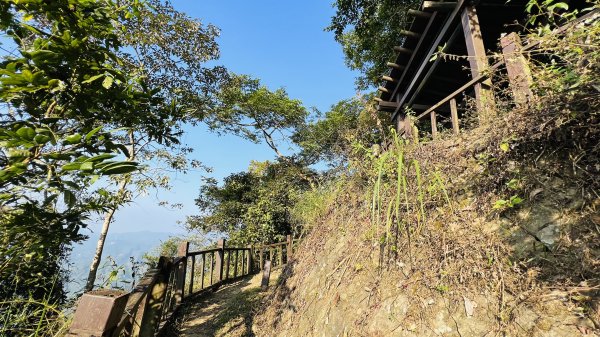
x,y
289,248
454,115
235,264
182,251
219,259
249,259
153,307
191,286
280,255
227,265
261,258
434,130
519,74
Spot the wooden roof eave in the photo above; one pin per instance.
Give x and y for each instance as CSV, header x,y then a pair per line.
x,y
424,62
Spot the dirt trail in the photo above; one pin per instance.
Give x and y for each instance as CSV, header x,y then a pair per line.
x,y
227,312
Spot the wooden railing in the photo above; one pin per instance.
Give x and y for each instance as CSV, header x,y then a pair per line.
x,y
145,311
517,69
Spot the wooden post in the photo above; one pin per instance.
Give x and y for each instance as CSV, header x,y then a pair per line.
x,y
519,74
264,284
219,261
434,130
289,249
249,259
261,258
154,302
280,255
484,96
202,271
235,269
191,288
243,262
271,254
227,265
182,251
212,267
454,115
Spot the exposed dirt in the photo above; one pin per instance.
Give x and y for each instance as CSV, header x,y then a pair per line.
x,y
226,312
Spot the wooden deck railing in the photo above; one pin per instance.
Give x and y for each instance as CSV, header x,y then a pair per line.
x,y
518,76
145,311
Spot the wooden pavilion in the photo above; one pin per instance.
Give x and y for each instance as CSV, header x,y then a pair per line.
x,y
472,30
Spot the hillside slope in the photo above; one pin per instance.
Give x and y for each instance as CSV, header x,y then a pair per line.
x,y
495,232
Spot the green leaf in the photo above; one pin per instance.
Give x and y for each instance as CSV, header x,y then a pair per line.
x,y
71,166
41,139
91,134
26,132
100,157
108,82
93,78
69,198
119,168
73,139
87,166
504,147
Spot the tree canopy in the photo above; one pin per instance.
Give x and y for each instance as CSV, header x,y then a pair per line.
x,y
367,31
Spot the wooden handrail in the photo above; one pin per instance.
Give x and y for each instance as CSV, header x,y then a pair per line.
x,y
161,290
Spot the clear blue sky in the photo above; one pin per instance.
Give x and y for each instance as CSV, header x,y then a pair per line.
x,y
281,42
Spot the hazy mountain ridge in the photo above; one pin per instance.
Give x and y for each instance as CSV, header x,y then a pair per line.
x,y
119,247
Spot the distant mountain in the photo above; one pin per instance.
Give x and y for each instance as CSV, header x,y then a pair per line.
x,y
118,250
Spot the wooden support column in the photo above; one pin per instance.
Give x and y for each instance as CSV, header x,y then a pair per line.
x,y
202,271
434,130
519,74
484,95
454,115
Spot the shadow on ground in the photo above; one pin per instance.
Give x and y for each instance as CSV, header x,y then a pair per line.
x,y
226,312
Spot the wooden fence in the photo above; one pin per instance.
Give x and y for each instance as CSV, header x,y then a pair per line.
x,y
145,311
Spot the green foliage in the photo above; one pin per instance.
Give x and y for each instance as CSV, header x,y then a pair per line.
x,y
250,110
252,206
367,30
68,107
329,138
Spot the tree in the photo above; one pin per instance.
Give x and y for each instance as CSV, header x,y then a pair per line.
x,y
368,30
67,107
253,206
330,138
168,49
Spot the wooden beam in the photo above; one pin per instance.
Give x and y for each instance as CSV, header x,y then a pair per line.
x,y
383,89
402,50
377,99
418,14
423,107
388,104
454,115
438,6
434,46
434,66
519,74
408,33
389,79
395,66
484,97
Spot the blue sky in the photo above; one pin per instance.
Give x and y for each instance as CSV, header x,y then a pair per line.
x,y
281,42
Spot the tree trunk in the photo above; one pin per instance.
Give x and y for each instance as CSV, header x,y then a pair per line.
x,y
100,245
107,220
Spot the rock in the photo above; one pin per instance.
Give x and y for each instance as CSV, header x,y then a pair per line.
x,y
549,234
